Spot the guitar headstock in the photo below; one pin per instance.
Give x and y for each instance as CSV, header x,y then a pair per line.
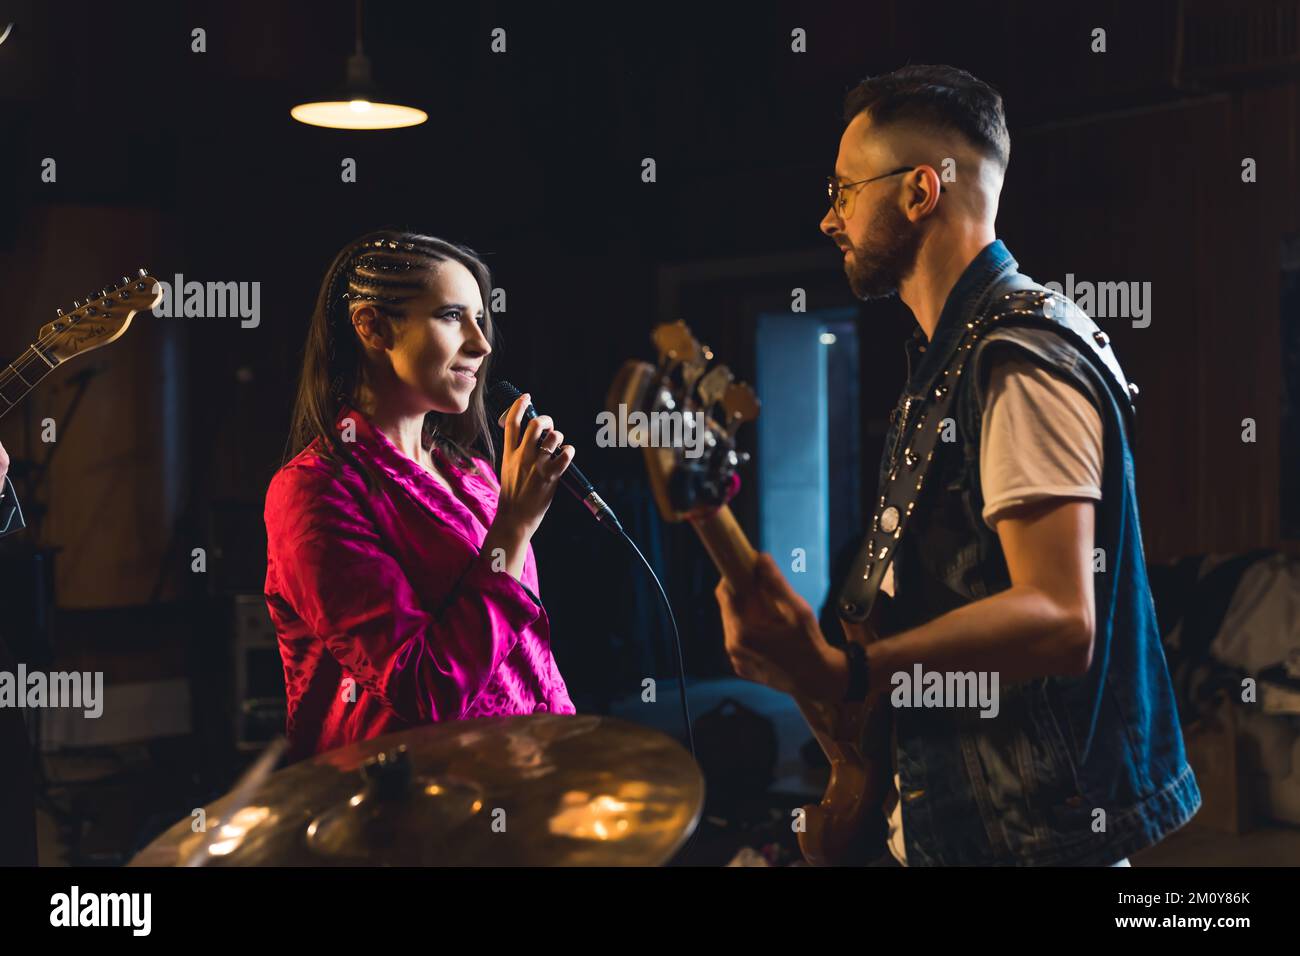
x,y
684,416
98,320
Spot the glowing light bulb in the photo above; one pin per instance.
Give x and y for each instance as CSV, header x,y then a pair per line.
x,y
358,114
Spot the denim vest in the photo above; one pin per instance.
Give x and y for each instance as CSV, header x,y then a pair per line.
x,y
1072,770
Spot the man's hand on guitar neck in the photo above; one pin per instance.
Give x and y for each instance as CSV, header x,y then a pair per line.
x,y
773,638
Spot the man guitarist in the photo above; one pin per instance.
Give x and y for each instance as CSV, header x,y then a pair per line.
x,y
1007,529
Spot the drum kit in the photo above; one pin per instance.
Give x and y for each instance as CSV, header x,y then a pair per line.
x,y
541,790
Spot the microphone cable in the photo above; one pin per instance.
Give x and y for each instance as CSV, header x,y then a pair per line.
x,y
677,641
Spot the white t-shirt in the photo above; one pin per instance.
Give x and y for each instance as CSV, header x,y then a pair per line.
x,y
1040,438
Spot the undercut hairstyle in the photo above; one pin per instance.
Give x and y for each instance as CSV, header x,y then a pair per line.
x,y
940,97
384,269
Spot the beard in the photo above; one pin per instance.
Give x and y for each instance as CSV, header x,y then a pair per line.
x,y
879,266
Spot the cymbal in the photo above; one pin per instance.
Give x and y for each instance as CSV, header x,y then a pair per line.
x,y
541,790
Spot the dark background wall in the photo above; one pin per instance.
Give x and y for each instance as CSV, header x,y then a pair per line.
x,y
1126,166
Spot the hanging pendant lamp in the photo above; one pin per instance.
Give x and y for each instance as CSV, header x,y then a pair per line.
x,y
359,106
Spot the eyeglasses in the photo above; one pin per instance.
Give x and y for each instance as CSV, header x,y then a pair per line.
x,y
842,200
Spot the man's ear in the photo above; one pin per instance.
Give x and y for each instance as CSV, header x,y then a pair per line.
x,y
922,187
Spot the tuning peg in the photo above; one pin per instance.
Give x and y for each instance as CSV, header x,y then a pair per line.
x,y
58,311
143,273
104,292
76,303
126,280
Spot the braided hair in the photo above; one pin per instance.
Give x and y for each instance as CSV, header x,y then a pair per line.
x,y
383,269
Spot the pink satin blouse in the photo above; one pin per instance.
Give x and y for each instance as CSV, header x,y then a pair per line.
x,y
388,615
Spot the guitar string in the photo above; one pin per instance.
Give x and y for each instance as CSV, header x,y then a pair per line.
x,y
18,366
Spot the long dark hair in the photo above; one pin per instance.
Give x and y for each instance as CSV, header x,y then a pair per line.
x,y
382,269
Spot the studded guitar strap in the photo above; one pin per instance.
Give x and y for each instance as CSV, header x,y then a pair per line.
x,y
918,439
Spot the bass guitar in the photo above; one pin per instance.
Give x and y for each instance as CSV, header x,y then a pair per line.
x,y
696,488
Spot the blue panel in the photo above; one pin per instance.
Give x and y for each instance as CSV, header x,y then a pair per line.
x,y
792,455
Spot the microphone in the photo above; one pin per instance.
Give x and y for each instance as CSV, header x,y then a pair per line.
x,y
499,398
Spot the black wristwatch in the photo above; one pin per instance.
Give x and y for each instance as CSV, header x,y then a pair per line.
x,y
859,672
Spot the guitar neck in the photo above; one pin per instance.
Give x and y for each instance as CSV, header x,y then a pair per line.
x,y
727,545
734,558
22,375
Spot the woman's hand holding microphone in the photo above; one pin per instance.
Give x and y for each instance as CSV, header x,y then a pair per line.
x,y
532,460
